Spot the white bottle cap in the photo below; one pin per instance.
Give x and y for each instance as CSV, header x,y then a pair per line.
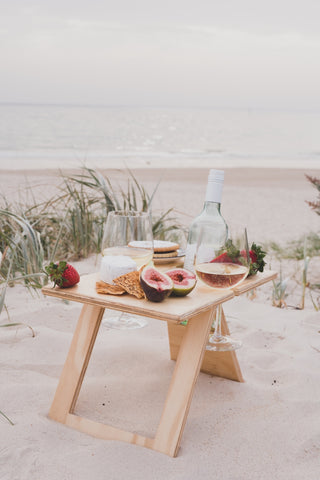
x,y
216,175
215,186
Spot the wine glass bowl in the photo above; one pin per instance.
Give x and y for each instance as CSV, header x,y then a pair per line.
x,y
128,233
222,267
223,271
127,245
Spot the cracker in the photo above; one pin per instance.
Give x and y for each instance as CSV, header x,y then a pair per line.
x,y
107,289
164,246
158,245
165,254
131,283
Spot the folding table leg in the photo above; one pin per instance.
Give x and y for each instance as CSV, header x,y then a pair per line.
x,y
182,385
221,364
76,363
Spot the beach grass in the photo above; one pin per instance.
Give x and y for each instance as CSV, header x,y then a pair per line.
x,y
315,182
24,256
7,418
298,249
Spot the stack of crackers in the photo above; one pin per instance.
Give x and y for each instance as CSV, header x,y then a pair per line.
x,y
127,283
165,250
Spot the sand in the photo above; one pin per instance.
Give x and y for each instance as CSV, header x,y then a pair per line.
x,y
267,427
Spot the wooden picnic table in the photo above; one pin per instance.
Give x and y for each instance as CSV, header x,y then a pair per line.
x,y
187,347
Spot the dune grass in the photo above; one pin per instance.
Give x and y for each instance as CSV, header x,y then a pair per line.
x,y
22,258
107,197
303,251
315,182
298,249
7,418
23,253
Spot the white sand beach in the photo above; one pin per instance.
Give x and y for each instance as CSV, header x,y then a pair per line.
x,y
267,427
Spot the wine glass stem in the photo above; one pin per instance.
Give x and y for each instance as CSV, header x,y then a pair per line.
x,y
217,335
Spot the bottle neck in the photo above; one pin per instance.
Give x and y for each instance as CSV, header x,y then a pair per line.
x,y
211,208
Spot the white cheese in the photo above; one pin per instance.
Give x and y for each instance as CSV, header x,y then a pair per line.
x,y
112,266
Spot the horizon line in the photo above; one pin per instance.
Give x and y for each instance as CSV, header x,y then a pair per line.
x,y
157,106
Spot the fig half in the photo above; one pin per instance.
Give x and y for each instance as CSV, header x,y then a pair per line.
x,y
184,281
156,285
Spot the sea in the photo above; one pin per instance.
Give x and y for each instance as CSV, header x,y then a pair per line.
x,y
73,136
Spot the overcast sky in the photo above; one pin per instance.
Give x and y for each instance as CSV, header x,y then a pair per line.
x,y
220,53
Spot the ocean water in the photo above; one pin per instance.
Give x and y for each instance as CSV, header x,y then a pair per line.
x,y
47,136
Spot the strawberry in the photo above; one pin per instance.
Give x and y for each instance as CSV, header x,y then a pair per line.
x,y
226,258
63,274
233,255
257,259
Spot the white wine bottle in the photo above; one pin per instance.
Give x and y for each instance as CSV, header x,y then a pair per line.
x,y
210,215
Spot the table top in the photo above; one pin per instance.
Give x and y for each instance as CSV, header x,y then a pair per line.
x,y
175,309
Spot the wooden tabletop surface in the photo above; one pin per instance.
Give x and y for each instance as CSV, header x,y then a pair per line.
x,y
175,309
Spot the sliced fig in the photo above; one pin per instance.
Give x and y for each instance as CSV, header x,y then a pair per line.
x,y
184,281
156,285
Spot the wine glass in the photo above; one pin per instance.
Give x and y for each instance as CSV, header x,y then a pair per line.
x,y
222,267
128,241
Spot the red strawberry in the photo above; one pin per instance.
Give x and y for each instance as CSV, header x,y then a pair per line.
x,y
225,258
63,274
253,256
233,255
257,259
